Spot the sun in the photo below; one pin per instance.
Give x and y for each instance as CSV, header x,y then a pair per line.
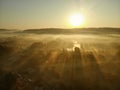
x,y
76,20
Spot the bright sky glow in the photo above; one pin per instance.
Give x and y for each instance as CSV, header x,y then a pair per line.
x,y
76,20
25,14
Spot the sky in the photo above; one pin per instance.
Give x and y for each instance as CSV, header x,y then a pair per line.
x,y
29,14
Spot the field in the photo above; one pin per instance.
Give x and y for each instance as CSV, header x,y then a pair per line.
x,y
84,61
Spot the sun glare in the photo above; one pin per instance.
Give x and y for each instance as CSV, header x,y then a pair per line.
x,y
76,20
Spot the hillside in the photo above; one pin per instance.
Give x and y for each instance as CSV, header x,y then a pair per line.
x,y
74,31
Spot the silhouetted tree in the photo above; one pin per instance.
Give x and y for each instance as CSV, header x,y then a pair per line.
x,y
12,82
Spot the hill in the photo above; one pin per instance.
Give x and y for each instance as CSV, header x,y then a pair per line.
x,y
74,31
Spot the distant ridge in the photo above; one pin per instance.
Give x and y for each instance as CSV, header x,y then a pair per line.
x,y
4,29
8,30
74,31
105,30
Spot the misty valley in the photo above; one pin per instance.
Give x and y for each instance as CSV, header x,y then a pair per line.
x,y
51,59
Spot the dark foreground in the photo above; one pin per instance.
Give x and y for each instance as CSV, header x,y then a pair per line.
x,y
60,62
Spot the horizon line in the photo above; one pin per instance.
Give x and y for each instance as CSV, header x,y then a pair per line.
x,y
60,28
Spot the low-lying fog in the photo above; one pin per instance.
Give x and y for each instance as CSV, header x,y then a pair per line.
x,y
60,62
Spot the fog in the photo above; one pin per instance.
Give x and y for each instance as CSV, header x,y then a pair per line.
x,y
59,61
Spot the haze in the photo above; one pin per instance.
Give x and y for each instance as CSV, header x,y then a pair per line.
x,y
26,14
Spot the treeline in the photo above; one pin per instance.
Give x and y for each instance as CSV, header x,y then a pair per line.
x,y
74,31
